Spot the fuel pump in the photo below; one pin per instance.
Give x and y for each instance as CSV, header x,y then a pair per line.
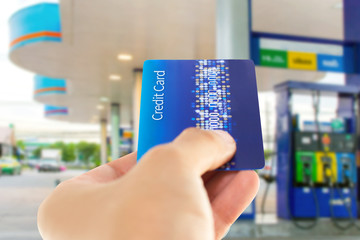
x,y
330,179
313,158
326,169
305,168
305,178
346,170
347,180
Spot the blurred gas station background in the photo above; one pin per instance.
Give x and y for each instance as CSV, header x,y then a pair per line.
x,y
70,99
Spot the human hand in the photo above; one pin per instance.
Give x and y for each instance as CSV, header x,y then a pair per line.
x,y
170,194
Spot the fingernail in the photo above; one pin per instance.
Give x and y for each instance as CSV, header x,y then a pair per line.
x,y
225,136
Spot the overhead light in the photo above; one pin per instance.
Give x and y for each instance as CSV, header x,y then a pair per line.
x,y
125,57
104,99
114,77
100,107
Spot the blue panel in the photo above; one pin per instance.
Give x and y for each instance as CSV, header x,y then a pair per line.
x,y
349,59
351,20
330,63
49,93
51,108
255,49
327,198
284,163
353,80
304,203
55,110
42,82
33,19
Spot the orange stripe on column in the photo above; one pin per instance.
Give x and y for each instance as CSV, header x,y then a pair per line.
x,y
35,35
50,89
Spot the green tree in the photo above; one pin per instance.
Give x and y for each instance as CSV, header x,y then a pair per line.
x,y
21,146
37,152
67,150
70,152
88,152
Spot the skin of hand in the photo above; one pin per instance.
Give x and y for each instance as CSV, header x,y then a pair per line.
x,y
172,193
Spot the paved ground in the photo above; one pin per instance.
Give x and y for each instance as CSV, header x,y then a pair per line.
x,y
269,227
20,197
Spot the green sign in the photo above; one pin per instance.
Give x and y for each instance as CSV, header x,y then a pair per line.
x,y
273,58
338,125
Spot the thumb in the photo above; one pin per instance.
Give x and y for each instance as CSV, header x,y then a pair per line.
x,y
194,150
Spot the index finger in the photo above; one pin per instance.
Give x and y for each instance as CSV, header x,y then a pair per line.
x,y
110,171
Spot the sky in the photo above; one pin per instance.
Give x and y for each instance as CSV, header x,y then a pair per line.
x,y
17,105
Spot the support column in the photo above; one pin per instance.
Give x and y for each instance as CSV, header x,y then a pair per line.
x,y
115,123
136,105
103,135
233,20
233,26
352,34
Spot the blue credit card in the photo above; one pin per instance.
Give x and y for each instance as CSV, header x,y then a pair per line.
x,y
208,94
